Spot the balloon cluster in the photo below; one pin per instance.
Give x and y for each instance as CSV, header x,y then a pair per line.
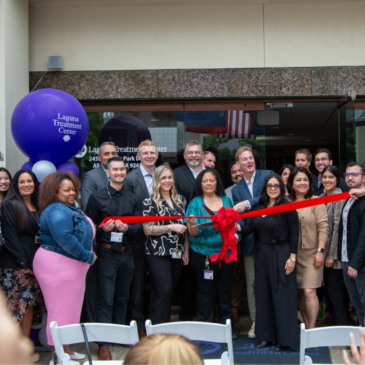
x,y
50,127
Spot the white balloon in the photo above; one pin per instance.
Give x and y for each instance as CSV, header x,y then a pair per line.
x,y
43,168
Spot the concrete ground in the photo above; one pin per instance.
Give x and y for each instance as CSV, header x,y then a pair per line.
x,y
119,352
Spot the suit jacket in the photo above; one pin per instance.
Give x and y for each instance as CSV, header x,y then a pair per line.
x,y
229,192
355,234
320,190
240,193
334,214
92,181
184,181
135,184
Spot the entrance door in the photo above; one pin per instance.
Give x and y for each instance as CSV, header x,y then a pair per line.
x,y
347,130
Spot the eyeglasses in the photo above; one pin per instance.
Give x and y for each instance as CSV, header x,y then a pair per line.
x,y
352,174
193,153
275,186
321,159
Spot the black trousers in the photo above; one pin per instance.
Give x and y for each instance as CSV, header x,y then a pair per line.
x,y
165,272
91,296
138,285
336,294
188,288
115,273
276,296
222,278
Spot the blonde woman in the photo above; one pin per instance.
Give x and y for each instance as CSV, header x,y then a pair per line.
x,y
165,241
164,349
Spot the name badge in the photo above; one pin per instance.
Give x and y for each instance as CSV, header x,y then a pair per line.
x,y
116,237
176,254
38,239
208,274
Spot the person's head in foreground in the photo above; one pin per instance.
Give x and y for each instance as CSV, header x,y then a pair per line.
x,y
14,347
164,349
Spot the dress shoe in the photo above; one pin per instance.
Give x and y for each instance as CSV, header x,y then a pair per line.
x,y
104,353
236,314
264,344
281,348
141,334
234,335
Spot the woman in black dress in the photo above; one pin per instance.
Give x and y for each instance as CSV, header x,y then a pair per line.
x,y
5,180
276,238
20,229
165,241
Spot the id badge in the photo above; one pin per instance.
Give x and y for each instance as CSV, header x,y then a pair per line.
x,y
208,274
38,239
176,254
116,237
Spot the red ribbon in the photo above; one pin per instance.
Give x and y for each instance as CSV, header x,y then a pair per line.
x,y
225,223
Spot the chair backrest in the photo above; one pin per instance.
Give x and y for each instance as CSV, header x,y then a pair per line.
x,y
96,332
324,337
198,331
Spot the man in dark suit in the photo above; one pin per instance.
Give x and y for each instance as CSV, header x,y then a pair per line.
x,y
246,196
351,240
184,179
97,179
139,182
323,158
92,181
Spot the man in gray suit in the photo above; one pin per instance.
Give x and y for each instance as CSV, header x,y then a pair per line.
x,y
92,181
139,182
97,179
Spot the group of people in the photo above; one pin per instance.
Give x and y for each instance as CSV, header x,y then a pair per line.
x,y
58,257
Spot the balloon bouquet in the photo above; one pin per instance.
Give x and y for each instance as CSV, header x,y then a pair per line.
x,y
50,127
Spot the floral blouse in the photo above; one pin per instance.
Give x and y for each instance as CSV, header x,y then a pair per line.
x,y
167,243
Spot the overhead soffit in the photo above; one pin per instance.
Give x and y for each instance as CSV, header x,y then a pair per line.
x,y
48,3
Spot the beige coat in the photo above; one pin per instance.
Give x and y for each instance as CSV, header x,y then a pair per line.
x,y
334,215
313,226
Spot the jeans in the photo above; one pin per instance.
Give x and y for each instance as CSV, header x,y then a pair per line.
x,y
356,289
115,272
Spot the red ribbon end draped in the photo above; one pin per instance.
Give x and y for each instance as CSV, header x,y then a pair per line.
x,y
225,223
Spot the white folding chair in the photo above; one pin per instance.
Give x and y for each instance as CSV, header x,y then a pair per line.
x,y
199,331
96,332
325,337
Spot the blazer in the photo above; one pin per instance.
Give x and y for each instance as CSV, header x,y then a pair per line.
x,y
92,181
313,226
334,215
240,193
355,234
184,181
135,184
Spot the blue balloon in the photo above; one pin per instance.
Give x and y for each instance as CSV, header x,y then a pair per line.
x,y
49,124
28,165
68,166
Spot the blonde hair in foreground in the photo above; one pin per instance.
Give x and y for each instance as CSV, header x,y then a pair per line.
x,y
159,172
164,349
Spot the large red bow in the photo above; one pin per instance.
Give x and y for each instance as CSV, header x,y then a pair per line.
x,y
225,223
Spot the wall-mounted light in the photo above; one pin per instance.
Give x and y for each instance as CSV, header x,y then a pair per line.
x,y
55,63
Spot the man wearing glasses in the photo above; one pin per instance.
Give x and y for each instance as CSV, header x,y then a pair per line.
x,y
351,240
323,158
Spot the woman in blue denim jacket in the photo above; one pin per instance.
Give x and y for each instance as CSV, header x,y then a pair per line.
x,y
65,255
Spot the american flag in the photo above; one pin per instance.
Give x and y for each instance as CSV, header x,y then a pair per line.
x,y
238,124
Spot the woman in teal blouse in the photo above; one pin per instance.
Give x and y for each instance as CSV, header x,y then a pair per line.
x,y
206,241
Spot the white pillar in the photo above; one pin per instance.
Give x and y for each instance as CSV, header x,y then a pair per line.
x,y
14,74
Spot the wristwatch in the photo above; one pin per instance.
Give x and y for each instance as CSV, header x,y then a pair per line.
x,y
247,204
293,258
321,250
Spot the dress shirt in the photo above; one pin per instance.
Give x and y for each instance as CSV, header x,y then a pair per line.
x,y
345,215
109,202
105,172
250,183
195,174
319,181
148,179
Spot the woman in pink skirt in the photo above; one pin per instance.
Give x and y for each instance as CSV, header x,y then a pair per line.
x,y
61,263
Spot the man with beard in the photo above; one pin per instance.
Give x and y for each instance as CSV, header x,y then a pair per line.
x,y
184,179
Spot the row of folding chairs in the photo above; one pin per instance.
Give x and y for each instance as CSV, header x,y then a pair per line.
x,y
195,331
